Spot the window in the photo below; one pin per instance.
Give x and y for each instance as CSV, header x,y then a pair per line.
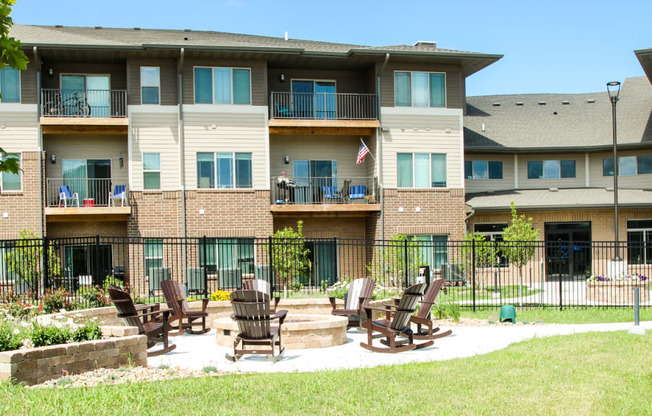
x,y
421,170
433,249
627,165
227,254
6,273
550,169
644,165
420,89
11,181
153,254
482,169
494,233
222,85
224,170
150,85
10,85
639,241
151,170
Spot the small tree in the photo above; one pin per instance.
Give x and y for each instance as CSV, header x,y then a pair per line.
x,y
519,244
25,259
393,259
290,256
484,252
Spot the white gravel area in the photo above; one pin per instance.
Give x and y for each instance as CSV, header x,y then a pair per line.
x,y
197,351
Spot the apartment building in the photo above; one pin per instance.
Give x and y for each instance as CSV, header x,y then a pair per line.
x,y
158,133
552,156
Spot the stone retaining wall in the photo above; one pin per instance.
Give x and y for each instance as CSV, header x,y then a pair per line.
x,y
37,365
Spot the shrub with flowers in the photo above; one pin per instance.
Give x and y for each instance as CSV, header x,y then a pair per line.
x,y
20,306
635,277
221,295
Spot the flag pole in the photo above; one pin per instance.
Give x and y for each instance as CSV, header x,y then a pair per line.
x,y
370,153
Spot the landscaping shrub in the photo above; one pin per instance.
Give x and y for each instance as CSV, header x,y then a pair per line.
x,y
93,296
9,337
55,300
88,332
221,295
42,335
21,306
111,280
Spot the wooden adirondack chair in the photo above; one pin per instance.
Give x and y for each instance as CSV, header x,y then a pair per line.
x,y
423,316
360,291
261,286
396,324
174,293
145,321
252,313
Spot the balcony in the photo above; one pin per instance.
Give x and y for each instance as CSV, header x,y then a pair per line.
x,y
66,110
301,110
83,199
326,195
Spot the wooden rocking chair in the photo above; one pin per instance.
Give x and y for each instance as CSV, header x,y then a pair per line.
x,y
261,285
396,324
360,291
423,317
252,313
174,293
156,331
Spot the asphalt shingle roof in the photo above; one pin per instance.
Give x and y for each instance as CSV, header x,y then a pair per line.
x,y
579,123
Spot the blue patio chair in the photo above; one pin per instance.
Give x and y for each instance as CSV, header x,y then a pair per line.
x,y
65,195
330,192
120,193
357,191
283,111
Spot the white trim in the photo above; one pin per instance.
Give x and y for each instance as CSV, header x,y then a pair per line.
x,y
421,111
233,164
152,109
226,108
19,108
143,170
143,85
411,95
20,87
251,89
462,157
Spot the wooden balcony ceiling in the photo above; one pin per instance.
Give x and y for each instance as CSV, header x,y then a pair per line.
x,y
323,127
73,214
81,125
336,210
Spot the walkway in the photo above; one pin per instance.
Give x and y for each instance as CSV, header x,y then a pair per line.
x,y
198,351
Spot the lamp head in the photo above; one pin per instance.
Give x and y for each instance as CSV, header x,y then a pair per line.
x,y
613,89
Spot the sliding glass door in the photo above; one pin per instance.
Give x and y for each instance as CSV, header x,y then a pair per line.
x,y
89,178
94,89
314,99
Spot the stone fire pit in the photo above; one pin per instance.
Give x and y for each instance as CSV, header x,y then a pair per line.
x,y
299,331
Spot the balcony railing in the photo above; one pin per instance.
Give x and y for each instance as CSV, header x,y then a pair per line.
x,y
83,103
306,191
84,192
323,106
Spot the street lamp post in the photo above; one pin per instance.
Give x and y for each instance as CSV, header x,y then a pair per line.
x,y
613,89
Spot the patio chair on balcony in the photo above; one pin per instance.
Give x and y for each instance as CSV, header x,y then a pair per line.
x,y
283,111
65,195
120,194
357,191
331,193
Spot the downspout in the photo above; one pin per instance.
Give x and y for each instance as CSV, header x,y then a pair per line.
x,y
41,188
379,148
182,168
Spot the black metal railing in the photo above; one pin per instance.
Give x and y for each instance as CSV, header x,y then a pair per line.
x,y
323,106
83,103
87,192
479,275
312,190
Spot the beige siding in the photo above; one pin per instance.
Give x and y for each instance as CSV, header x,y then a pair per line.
x,y
422,133
454,85
483,185
84,146
636,181
258,77
168,72
345,81
155,133
579,181
233,132
20,132
117,73
343,149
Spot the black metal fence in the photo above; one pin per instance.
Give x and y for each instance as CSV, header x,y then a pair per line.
x,y
478,274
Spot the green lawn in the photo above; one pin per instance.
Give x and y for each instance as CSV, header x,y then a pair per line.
x,y
586,374
553,315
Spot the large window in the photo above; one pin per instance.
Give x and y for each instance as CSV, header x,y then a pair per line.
x,y
420,89
224,170
228,253
151,170
5,271
629,165
150,85
639,241
153,254
11,181
10,85
483,169
222,85
433,249
550,169
421,170
493,233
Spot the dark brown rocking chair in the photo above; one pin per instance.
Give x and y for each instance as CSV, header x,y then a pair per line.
x,y
156,331
396,324
261,286
252,313
174,293
360,291
423,317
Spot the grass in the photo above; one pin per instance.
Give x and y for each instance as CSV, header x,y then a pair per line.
x,y
553,315
585,374
466,293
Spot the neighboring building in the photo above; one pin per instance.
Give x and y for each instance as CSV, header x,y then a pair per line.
x,y
231,137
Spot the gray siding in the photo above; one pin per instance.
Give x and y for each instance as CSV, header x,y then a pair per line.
x,y
87,147
168,71
117,72
28,93
345,81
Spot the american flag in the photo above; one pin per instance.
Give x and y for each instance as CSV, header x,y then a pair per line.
x,y
364,151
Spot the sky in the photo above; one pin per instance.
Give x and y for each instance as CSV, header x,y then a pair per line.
x,y
549,46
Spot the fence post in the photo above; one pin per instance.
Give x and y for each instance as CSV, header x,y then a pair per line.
x,y
559,270
46,265
473,271
270,272
405,253
205,266
95,268
336,259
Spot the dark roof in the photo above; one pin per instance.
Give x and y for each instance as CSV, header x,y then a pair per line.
x,y
575,198
540,122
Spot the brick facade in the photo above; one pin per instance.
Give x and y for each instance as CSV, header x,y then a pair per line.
x,y
23,207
